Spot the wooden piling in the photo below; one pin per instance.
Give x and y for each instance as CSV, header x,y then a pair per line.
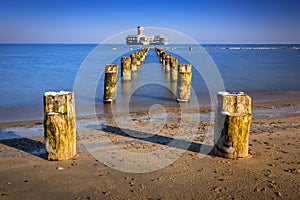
x,y
184,82
158,51
59,125
168,62
174,69
125,69
138,58
232,125
110,83
162,57
133,62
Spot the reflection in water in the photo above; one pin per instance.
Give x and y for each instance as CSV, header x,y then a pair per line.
x,y
126,87
173,86
133,75
107,107
151,94
167,76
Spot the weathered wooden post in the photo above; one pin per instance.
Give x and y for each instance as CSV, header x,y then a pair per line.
x,y
232,125
110,83
133,62
174,69
161,57
138,58
184,82
125,69
168,62
143,55
59,125
164,55
158,51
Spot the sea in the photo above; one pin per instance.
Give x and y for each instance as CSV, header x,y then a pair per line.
x,y
267,72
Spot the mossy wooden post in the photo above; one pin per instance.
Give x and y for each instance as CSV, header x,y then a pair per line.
x,y
157,50
162,57
184,82
110,83
168,62
125,69
133,62
59,125
232,125
174,69
138,58
143,55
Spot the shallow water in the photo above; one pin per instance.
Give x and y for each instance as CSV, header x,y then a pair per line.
x,y
90,124
27,71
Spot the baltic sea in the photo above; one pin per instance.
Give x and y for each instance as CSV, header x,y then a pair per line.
x,y
29,70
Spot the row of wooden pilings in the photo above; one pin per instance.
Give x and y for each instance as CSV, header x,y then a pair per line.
x,y
233,114
128,65
181,74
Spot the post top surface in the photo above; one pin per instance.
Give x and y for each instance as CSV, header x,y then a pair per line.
x,y
185,68
224,93
111,68
53,93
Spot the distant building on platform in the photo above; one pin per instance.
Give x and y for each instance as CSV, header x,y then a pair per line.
x,y
142,39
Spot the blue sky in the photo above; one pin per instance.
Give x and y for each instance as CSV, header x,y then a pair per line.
x,y
92,21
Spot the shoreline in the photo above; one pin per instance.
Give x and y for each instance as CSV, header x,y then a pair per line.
x,y
27,114
255,105
270,172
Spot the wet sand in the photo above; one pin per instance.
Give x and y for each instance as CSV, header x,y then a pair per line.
x,y
271,171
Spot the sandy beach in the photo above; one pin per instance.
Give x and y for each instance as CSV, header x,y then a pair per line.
x,y
271,171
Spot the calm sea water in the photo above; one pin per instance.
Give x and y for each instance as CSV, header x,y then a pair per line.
x,y
29,70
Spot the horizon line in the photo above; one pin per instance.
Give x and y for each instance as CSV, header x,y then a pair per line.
x,y
65,43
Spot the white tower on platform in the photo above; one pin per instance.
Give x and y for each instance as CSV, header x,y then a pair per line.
x,y
140,30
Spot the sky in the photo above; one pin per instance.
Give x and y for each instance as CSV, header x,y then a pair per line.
x,y
206,21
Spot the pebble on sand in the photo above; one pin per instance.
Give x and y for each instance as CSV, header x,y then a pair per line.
x,y
278,194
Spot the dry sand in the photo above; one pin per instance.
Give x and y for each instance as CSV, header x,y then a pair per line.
x,y
271,171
